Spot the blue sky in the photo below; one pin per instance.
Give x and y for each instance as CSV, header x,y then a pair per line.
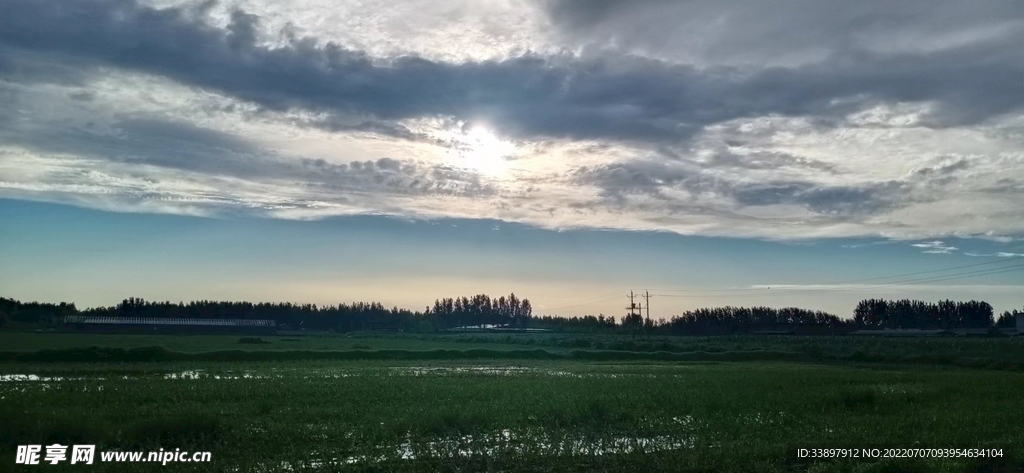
x,y
56,252
568,150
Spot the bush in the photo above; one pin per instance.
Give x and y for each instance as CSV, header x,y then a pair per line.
x,y
181,432
256,340
861,398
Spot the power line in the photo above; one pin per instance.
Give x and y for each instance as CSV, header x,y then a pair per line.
x,y
633,308
946,277
799,291
747,292
587,301
634,314
972,274
935,270
647,305
1006,260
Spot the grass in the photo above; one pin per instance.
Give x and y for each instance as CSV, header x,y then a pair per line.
x,y
400,403
739,416
1005,348
27,342
987,353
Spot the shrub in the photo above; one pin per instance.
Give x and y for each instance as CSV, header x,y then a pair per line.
x,y
255,340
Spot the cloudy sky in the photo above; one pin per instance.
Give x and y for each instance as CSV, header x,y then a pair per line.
x,y
569,150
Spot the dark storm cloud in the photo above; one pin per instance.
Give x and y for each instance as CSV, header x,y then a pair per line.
x,y
616,182
770,30
185,147
1005,186
641,178
163,143
391,176
651,176
334,122
962,54
33,67
766,160
826,200
562,96
942,173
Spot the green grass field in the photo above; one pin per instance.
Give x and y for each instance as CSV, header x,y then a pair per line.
x,y
1003,353
25,342
494,412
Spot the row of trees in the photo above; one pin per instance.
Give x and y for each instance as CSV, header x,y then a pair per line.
x,y
344,317
748,319
946,314
1008,319
480,310
33,312
510,310
585,324
445,313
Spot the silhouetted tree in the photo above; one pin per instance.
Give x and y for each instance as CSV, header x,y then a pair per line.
x,y
905,313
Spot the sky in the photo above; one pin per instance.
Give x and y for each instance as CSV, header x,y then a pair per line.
x,y
713,152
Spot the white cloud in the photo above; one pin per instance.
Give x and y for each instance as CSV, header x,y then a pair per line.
x,y
587,138
935,247
897,288
999,254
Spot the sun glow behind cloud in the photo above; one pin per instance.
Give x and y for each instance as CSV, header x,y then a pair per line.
x,y
480,150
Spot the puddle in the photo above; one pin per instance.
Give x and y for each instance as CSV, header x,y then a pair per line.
x,y
472,370
505,371
759,418
36,378
190,374
199,374
900,388
508,441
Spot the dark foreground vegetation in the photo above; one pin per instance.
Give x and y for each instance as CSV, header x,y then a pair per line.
x,y
589,395
1003,353
520,416
513,312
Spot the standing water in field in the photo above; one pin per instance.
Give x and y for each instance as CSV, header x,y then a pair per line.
x,y
509,442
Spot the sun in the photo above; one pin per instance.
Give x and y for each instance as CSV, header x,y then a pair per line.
x,y
480,150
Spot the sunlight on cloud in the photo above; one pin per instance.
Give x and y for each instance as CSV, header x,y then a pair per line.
x,y
935,247
451,30
480,150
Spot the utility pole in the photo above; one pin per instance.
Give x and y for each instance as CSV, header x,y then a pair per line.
x,y
633,309
647,307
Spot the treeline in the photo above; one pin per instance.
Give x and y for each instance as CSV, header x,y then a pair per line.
x,y
481,309
585,324
33,312
903,314
725,320
340,317
1008,319
445,314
